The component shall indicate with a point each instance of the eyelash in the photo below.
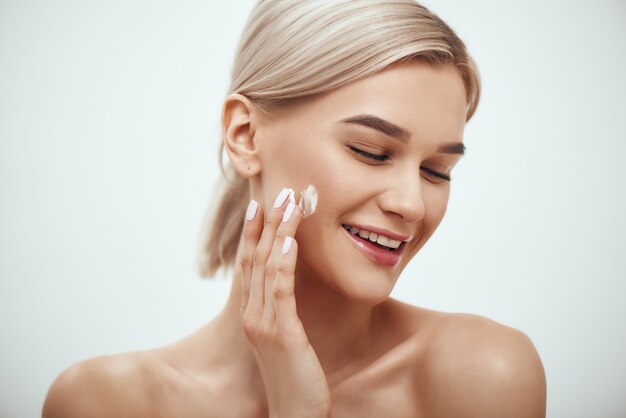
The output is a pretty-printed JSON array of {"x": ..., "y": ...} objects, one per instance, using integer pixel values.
[
  {"x": 376, "y": 157},
  {"x": 380, "y": 158}
]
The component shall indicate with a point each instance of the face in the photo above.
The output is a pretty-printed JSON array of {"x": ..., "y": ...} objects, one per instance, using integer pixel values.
[{"x": 378, "y": 151}]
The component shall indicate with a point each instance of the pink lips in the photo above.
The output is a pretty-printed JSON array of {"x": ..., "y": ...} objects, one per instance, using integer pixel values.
[{"x": 375, "y": 253}]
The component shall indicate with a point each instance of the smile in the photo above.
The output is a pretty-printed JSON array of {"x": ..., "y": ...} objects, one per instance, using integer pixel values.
[
  {"x": 377, "y": 247},
  {"x": 382, "y": 240}
]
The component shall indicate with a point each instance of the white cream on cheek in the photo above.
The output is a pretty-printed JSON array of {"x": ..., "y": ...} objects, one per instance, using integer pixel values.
[{"x": 308, "y": 200}]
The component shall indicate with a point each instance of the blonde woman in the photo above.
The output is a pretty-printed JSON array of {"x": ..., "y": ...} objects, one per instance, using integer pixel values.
[{"x": 366, "y": 100}]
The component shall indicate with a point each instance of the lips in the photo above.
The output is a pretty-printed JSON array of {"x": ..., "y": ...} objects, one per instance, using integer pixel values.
[
  {"x": 374, "y": 252},
  {"x": 381, "y": 239}
]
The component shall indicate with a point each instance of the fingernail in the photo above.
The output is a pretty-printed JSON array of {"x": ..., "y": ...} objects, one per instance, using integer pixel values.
[
  {"x": 287, "y": 245},
  {"x": 288, "y": 212},
  {"x": 251, "y": 211},
  {"x": 282, "y": 196}
]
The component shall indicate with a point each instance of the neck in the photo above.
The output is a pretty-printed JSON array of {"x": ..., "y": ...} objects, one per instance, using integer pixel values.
[{"x": 339, "y": 330}]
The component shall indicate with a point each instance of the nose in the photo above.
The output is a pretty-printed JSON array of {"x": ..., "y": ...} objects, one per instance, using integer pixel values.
[{"x": 404, "y": 197}]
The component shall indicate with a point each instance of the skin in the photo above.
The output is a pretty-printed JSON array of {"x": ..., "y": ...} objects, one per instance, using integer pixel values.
[{"x": 315, "y": 331}]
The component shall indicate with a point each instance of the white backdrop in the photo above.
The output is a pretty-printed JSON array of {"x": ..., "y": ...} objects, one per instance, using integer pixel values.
[{"x": 109, "y": 117}]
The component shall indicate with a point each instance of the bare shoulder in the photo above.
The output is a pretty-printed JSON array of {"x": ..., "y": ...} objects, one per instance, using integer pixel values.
[
  {"x": 477, "y": 367},
  {"x": 111, "y": 385}
]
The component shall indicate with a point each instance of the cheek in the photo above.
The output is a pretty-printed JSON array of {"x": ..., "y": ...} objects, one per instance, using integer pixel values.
[
  {"x": 294, "y": 160},
  {"x": 436, "y": 204}
]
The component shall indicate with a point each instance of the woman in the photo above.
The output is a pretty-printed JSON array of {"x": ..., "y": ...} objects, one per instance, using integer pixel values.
[{"x": 366, "y": 100}]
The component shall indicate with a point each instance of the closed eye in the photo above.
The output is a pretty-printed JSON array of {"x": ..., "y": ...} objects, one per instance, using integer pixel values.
[
  {"x": 383, "y": 157},
  {"x": 436, "y": 174},
  {"x": 376, "y": 157}
]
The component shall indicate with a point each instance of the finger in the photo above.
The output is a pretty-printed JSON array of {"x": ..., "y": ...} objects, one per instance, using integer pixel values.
[
  {"x": 287, "y": 229},
  {"x": 286, "y": 313},
  {"x": 252, "y": 228},
  {"x": 256, "y": 300}
]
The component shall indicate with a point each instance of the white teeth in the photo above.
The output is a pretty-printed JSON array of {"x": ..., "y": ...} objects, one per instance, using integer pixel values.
[
  {"x": 393, "y": 243},
  {"x": 374, "y": 237},
  {"x": 382, "y": 240}
]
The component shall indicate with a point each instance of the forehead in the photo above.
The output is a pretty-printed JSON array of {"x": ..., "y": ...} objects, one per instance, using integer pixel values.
[{"x": 428, "y": 102}]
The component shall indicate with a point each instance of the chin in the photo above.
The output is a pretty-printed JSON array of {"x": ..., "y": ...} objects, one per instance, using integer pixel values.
[{"x": 368, "y": 297}]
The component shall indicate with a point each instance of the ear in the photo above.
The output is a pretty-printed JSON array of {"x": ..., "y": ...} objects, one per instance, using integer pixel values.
[{"x": 239, "y": 124}]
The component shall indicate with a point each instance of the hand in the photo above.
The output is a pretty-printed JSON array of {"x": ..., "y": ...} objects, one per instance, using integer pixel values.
[{"x": 294, "y": 380}]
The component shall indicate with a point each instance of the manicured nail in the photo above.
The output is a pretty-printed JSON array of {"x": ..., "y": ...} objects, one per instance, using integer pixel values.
[
  {"x": 251, "y": 211},
  {"x": 287, "y": 244},
  {"x": 282, "y": 196},
  {"x": 288, "y": 212}
]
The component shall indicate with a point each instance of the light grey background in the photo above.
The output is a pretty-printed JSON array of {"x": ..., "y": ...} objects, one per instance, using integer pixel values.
[{"x": 109, "y": 116}]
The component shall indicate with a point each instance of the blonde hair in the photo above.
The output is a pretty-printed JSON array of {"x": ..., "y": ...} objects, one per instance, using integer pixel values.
[{"x": 297, "y": 48}]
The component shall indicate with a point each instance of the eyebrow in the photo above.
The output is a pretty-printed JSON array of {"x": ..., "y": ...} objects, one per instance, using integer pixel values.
[
  {"x": 380, "y": 125},
  {"x": 454, "y": 148},
  {"x": 396, "y": 132}
]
